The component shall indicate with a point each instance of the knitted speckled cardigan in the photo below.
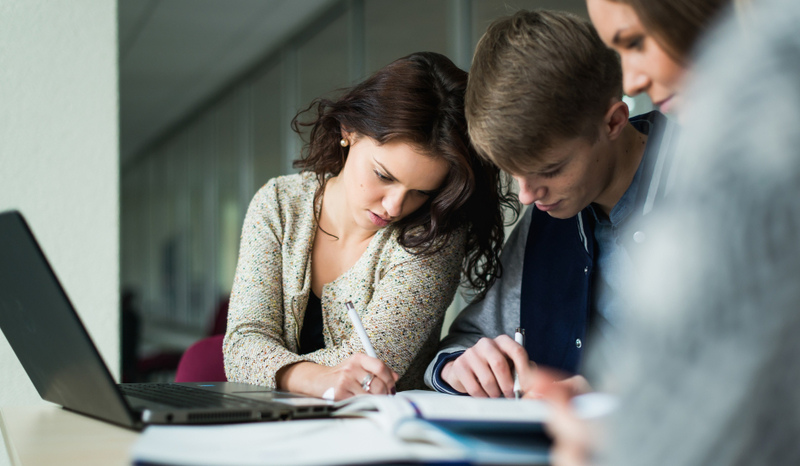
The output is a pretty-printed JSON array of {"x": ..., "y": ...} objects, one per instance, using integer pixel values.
[{"x": 401, "y": 298}]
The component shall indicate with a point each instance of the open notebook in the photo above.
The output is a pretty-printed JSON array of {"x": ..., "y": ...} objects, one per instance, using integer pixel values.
[{"x": 412, "y": 427}]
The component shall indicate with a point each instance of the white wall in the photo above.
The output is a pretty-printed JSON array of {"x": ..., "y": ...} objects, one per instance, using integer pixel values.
[{"x": 59, "y": 158}]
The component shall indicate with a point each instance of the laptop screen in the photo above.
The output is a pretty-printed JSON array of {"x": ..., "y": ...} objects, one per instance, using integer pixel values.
[{"x": 45, "y": 332}]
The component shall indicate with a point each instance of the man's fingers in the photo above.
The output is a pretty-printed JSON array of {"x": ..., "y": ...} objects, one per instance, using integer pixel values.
[
  {"x": 489, "y": 364},
  {"x": 486, "y": 373},
  {"x": 450, "y": 376},
  {"x": 465, "y": 371},
  {"x": 471, "y": 385},
  {"x": 516, "y": 354},
  {"x": 513, "y": 351},
  {"x": 502, "y": 374},
  {"x": 485, "y": 369}
]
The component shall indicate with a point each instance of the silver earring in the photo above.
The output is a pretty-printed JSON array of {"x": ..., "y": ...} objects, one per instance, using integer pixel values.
[{"x": 344, "y": 142}]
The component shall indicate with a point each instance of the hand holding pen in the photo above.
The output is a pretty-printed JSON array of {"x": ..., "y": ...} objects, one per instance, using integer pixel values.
[
  {"x": 519, "y": 337},
  {"x": 357, "y": 375},
  {"x": 360, "y": 374},
  {"x": 487, "y": 368}
]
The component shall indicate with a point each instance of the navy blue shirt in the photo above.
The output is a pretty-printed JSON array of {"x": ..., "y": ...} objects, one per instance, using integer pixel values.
[{"x": 562, "y": 292}]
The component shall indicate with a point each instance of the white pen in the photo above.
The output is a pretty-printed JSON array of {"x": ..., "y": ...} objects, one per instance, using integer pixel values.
[
  {"x": 519, "y": 337},
  {"x": 351, "y": 311}
]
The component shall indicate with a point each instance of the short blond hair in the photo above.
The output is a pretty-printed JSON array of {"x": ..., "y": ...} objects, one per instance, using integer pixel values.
[{"x": 537, "y": 78}]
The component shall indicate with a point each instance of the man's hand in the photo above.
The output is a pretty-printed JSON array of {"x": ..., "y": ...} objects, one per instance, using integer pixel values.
[{"x": 485, "y": 370}]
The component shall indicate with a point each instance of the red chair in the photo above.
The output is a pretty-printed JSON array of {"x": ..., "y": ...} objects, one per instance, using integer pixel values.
[
  {"x": 202, "y": 362},
  {"x": 167, "y": 362}
]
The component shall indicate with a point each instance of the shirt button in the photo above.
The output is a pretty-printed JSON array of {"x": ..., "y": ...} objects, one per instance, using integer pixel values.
[
  {"x": 586, "y": 269},
  {"x": 639, "y": 237},
  {"x": 578, "y": 343}
]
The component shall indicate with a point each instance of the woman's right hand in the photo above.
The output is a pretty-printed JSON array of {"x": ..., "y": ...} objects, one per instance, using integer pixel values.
[{"x": 346, "y": 378}]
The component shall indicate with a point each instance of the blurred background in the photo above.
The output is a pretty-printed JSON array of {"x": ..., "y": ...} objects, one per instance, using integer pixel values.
[{"x": 207, "y": 91}]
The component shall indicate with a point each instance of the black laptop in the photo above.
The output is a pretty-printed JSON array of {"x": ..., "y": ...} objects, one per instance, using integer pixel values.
[{"x": 64, "y": 365}]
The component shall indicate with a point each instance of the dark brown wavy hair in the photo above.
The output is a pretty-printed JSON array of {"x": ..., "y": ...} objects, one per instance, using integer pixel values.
[{"x": 419, "y": 100}]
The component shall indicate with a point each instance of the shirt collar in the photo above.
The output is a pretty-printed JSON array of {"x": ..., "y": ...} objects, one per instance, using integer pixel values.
[{"x": 623, "y": 208}]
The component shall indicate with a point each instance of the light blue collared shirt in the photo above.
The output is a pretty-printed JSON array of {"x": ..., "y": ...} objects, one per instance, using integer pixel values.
[{"x": 613, "y": 262}]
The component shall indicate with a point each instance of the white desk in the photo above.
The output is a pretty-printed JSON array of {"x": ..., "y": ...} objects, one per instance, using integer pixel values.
[{"x": 45, "y": 435}]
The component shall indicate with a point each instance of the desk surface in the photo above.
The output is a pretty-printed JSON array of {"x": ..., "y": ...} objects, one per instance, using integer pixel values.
[{"x": 45, "y": 434}]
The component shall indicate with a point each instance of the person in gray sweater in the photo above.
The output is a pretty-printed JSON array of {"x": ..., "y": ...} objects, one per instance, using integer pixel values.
[
  {"x": 593, "y": 174},
  {"x": 709, "y": 369}
]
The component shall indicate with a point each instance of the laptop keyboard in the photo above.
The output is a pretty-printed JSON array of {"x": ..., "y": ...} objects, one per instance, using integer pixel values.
[{"x": 181, "y": 396}]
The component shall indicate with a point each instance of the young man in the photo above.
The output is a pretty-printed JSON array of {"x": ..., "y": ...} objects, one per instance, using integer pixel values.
[{"x": 544, "y": 104}]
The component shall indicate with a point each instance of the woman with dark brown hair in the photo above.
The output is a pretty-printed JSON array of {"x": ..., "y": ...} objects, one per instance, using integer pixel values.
[{"x": 391, "y": 206}]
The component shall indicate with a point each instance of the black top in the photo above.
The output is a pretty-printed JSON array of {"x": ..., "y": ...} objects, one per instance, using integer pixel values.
[{"x": 311, "y": 338}]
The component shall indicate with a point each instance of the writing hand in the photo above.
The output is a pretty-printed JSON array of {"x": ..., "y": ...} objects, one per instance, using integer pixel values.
[
  {"x": 346, "y": 378},
  {"x": 485, "y": 369}
]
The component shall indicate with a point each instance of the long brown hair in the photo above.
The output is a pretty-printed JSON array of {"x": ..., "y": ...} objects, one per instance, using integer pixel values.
[
  {"x": 677, "y": 24},
  {"x": 419, "y": 100}
]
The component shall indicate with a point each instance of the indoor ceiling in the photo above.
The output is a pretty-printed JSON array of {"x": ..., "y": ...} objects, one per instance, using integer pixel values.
[{"x": 175, "y": 54}]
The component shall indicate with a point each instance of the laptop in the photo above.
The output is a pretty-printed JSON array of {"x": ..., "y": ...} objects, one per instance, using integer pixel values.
[{"x": 63, "y": 363}]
